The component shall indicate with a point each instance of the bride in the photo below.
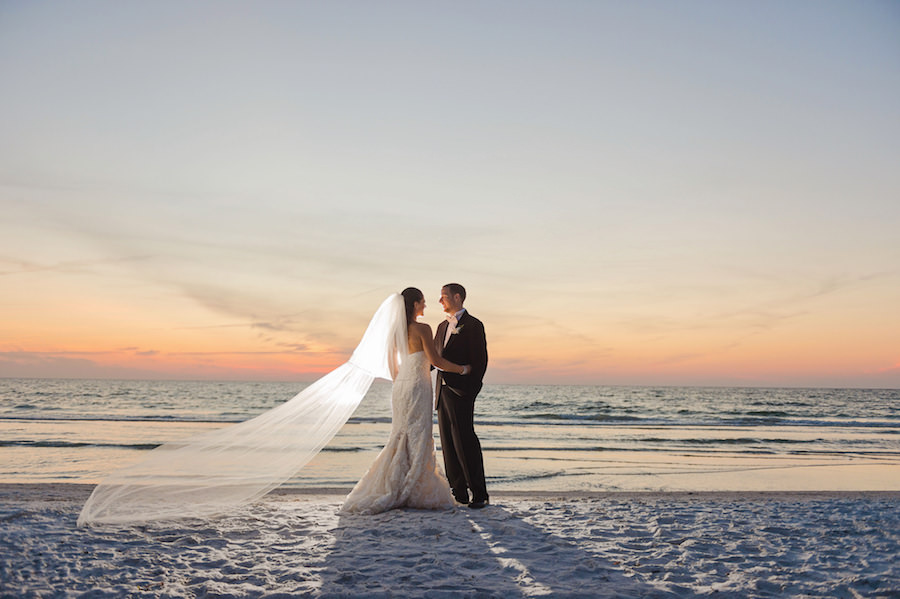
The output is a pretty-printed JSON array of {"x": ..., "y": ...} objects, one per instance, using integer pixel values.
[
  {"x": 214, "y": 472},
  {"x": 405, "y": 473}
]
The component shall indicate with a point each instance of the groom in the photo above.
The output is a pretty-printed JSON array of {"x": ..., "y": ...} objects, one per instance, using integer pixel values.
[{"x": 460, "y": 339}]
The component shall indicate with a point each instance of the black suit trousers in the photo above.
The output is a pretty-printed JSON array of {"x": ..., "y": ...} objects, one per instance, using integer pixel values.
[{"x": 463, "y": 461}]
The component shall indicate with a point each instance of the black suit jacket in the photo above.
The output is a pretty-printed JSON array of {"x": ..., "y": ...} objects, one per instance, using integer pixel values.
[{"x": 468, "y": 346}]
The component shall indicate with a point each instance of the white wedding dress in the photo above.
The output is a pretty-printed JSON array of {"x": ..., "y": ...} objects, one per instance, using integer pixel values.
[
  {"x": 405, "y": 473},
  {"x": 212, "y": 473}
]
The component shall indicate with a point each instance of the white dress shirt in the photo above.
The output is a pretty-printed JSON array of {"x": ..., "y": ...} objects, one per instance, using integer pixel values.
[{"x": 451, "y": 325}]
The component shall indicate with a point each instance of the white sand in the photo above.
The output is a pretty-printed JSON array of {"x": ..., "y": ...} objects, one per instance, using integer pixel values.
[{"x": 569, "y": 545}]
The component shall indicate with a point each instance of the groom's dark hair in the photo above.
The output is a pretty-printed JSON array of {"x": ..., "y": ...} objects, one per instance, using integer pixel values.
[{"x": 456, "y": 288}]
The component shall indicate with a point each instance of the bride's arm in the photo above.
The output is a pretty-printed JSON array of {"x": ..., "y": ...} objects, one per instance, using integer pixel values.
[{"x": 424, "y": 332}]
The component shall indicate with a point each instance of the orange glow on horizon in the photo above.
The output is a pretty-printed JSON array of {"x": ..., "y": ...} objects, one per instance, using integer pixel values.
[
  {"x": 163, "y": 336},
  {"x": 208, "y": 361}
]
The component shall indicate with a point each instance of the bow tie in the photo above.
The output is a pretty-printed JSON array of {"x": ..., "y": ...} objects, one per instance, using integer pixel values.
[{"x": 451, "y": 326}]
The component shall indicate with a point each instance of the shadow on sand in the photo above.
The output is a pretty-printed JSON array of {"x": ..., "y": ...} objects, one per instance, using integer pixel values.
[{"x": 465, "y": 553}]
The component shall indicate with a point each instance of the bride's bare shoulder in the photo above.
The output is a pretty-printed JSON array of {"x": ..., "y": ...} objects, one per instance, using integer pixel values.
[{"x": 422, "y": 328}]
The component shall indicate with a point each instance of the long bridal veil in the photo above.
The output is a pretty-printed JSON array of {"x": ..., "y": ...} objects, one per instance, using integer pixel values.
[{"x": 212, "y": 472}]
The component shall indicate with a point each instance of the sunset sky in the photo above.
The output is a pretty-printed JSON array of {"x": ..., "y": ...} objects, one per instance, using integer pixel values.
[{"x": 647, "y": 193}]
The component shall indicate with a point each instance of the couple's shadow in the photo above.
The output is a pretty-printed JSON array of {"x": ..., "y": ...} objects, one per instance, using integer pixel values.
[{"x": 493, "y": 552}]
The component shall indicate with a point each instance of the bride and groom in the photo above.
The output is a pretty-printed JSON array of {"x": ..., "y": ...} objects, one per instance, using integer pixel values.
[
  {"x": 214, "y": 472},
  {"x": 405, "y": 473}
]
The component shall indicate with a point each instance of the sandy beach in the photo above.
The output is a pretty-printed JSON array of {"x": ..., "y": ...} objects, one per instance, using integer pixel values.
[{"x": 295, "y": 543}]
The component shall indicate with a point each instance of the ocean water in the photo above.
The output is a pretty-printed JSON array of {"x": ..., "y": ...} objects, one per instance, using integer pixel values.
[{"x": 548, "y": 438}]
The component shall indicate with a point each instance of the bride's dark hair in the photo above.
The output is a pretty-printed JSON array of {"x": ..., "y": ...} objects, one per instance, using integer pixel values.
[{"x": 411, "y": 295}]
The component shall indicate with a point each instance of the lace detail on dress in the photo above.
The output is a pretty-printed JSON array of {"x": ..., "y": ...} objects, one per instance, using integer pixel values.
[{"x": 405, "y": 473}]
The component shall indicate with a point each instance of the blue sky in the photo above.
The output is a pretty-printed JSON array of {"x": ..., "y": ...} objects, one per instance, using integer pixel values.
[{"x": 696, "y": 192}]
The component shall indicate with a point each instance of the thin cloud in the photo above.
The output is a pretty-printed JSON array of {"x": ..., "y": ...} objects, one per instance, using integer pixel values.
[
  {"x": 68, "y": 267},
  {"x": 693, "y": 356},
  {"x": 38, "y": 355},
  {"x": 239, "y": 353},
  {"x": 889, "y": 369}
]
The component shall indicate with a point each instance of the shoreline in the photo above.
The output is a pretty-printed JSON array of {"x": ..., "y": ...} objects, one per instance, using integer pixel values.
[{"x": 75, "y": 491}]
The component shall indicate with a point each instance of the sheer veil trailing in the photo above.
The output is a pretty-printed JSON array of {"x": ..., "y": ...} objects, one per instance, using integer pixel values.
[{"x": 212, "y": 472}]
